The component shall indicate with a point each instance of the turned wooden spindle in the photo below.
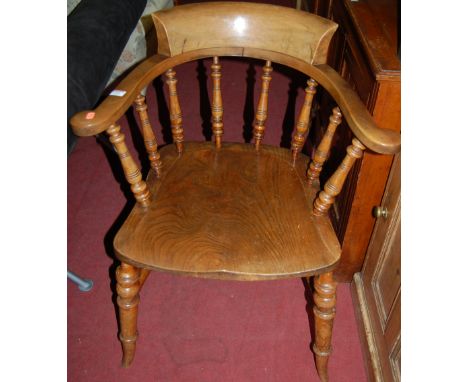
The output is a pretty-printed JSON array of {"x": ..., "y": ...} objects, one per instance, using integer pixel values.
[
  {"x": 334, "y": 185},
  {"x": 148, "y": 135},
  {"x": 323, "y": 150},
  {"x": 217, "y": 104},
  {"x": 302, "y": 127},
  {"x": 262, "y": 107},
  {"x": 324, "y": 313},
  {"x": 175, "y": 112},
  {"x": 128, "y": 287},
  {"x": 131, "y": 171}
]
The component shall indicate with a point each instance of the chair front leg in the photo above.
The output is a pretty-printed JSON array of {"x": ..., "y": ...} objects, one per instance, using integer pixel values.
[
  {"x": 324, "y": 313},
  {"x": 128, "y": 287}
]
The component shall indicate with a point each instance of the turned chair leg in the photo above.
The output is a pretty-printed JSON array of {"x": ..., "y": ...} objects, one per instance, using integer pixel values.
[
  {"x": 128, "y": 287},
  {"x": 324, "y": 313}
]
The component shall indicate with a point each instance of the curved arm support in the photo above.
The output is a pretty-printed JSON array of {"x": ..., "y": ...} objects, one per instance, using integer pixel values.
[
  {"x": 92, "y": 122},
  {"x": 383, "y": 141}
]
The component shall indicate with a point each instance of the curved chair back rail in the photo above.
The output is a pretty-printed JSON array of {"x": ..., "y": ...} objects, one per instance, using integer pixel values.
[
  {"x": 293, "y": 38},
  {"x": 383, "y": 141},
  {"x": 298, "y": 34}
]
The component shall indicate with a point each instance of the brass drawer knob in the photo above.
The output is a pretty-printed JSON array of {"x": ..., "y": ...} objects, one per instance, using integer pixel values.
[{"x": 380, "y": 212}]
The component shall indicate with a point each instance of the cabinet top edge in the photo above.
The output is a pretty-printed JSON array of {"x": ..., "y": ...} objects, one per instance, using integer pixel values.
[{"x": 378, "y": 46}]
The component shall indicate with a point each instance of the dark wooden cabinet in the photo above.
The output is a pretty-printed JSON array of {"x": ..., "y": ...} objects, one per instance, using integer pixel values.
[
  {"x": 377, "y": 290},
  {"x": 364, "y": 51}
]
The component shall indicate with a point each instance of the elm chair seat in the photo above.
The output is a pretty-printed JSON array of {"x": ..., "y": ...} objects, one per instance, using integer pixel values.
[{"x": 230, "y": 213}]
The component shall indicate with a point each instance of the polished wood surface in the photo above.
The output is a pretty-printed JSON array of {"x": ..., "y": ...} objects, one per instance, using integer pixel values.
[
  {"x": 358, "y": 118},
  {"x": 175, "y": 111},
  {"x": 217, "y": 104},
  {"x": 302, "y": 127},
  {"x": 246, "y": 25},
  {"x": 230, "y": 210},
  {"x": 128, "y": 297},
  {"x": 377, "y": 289},
  {"x": 376, "y": 24},
  {"x": 220, "y": 214},
  {"x": 382, "y": 141},
  {"x": 334, "y": 185},
  {"x": 131, "y": 171},
  {"x": 148, "y": 135},
  {"x": 262, "y": 107},
  {"x": 324, "y": 312},
  {"x": 322, "y": 152}
]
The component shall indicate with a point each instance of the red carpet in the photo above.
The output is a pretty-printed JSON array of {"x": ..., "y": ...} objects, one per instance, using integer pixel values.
[{"x": 192, "y": 329}]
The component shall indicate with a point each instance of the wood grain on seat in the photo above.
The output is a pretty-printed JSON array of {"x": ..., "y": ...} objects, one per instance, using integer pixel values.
[{"x": 234, "y": 213}]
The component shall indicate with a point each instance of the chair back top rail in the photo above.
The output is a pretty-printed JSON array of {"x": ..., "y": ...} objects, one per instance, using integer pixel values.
[
  {"x": 92, "y": 122},
  {"x": 190, "y": 27},
  {"x": 276, "y": 34}
]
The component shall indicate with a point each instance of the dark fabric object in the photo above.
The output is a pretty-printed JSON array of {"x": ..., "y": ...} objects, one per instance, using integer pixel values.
[{"x": 97, "y": 31}]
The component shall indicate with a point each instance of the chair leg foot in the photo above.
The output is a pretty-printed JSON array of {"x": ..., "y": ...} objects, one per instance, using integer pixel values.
[
  {"x": 128, "y": 348},
  {"x": 128, "y": 287},
  {"x": 324, "y": 313}
]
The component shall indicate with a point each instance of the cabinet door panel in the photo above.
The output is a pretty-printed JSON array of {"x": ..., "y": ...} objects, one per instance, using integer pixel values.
[
  {"x": 387, "y": 277},
  {"x": 377, "y": 289}
]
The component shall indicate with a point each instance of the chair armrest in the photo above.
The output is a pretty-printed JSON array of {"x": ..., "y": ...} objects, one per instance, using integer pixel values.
[
  {"x": 383, "y": 141},
  {"x": 92, "y": 122}
]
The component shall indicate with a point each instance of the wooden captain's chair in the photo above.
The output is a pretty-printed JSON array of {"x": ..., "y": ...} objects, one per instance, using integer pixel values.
[{"x": 238, "y": 211}]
